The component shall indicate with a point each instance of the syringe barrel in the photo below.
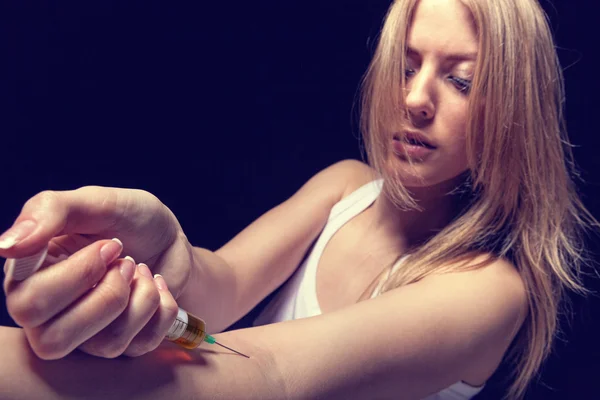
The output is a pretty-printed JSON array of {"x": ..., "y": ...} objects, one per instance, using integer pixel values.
[{"x": 187, "y": 330}]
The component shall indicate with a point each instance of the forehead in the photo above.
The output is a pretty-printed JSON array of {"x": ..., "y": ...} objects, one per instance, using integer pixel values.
[{"x": 442, "y": 26}]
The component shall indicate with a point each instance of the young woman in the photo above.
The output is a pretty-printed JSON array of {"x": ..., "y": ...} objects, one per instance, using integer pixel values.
[{"x": 412, "y": 277}]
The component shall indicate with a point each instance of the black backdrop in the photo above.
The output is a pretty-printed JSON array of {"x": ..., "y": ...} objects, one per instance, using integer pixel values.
[{"x": 223, "y": 109}]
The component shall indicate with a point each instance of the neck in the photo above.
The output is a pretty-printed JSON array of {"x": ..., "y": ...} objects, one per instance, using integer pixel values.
[{"x": 414, "y": 227}]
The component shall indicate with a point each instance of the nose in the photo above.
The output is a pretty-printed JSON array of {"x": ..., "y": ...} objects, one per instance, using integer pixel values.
[{"x": 419, "y": 97}]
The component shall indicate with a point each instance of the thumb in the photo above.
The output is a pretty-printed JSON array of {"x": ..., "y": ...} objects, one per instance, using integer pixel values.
[
  {"x": 88, "y": 210},
  {"x": 19, "y": 231}
]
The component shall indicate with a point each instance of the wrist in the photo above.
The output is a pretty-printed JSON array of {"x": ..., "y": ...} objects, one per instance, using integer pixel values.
[{"x": 210, "y": 291}]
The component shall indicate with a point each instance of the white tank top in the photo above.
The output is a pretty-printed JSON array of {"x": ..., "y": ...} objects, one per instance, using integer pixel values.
[{"x": 298, "y": 297}]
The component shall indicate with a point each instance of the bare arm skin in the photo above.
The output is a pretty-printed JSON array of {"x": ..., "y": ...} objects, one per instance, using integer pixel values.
[
  {"x": 108, "y": 307},
  {"x": 236, "y": 277},
  {"x": 408, "y": 343},
  {"x": 167, "y": 372}
]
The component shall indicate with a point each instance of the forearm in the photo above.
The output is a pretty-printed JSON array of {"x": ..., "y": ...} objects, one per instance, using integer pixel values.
[
  {"x": 167, "y": 372},
  {"x": 211, "y": 292},
  {"x": 229, "y": 282}
]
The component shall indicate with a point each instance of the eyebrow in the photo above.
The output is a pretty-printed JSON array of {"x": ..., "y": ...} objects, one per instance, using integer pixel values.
[{"x": 448, "y": 56}]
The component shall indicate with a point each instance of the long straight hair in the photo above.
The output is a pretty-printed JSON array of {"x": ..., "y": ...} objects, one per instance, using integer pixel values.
[{"x": 519, "y": 198}]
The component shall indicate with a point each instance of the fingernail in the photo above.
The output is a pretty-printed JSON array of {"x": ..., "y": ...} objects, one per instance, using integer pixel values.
[
  {"x": 144, "y": 270},
  {"x": 127, "y": 269},
  {"x": 111, "y": 250},
  {"x": 17, "y": 233},
  {"x": 130, "y": 259},
  {"x": 160, "y": 282}
]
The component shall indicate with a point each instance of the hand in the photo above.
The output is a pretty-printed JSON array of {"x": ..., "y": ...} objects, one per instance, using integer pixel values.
[{"x": 84, "y": 298}]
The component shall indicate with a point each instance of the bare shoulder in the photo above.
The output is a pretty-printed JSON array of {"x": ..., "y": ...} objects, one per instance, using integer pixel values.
[
  {"x": 501, "y": 272},
  {"x": 498, "y": 268},
  {"x": 499, "y": 281},
  {"x": 359, "y": 171},
  {"x": 339, "y": 179},
  {"x": 334, "y": 182},
  {"x": 357, "y": 174},
  {"x": 500, "y": 307}
]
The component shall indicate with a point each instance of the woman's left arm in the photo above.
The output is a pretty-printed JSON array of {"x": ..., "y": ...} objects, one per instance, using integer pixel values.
[{"x": 408, "y": 343}]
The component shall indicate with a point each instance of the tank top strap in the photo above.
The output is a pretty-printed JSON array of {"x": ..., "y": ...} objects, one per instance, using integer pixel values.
[
  {"x": 365, "y": 195},
  {"x": 342, "y": 212}
]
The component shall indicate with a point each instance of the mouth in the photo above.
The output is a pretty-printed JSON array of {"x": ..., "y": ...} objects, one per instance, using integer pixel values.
[{"x": 414, "y": 139}]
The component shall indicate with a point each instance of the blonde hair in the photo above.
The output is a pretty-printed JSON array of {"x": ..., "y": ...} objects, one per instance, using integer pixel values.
[{"x": 520, "y": 202}]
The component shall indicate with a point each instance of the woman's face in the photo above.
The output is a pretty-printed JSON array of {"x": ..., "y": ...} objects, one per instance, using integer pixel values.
[{"x": 440, "y": 60}]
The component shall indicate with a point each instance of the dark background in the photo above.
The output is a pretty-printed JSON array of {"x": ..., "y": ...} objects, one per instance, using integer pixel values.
[{"x": 223, "y": 109}]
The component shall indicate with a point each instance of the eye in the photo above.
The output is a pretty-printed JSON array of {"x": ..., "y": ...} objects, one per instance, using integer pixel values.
[
  {"x": 463, "y": 85},
  {"x": 408, "y": 72}
]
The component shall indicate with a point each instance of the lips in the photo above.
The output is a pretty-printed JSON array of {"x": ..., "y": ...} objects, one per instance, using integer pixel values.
[{"x": 415, "y": 139}]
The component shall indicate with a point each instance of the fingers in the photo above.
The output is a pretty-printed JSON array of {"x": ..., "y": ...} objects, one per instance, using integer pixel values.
[
  {"x": 150, "y": 337},
  {"x": 87, "y": 316},
  {"x": 68, "y": 244},
  {"x": 50, "y": 290},
  {"x": 92, "y": 300},
  {"x": 143, "y": 302},
  {"x": 142, "y": 325}
]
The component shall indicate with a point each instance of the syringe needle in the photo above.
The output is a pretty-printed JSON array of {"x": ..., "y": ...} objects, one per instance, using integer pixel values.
[
  {"x": 211, "y": 340},
  {"x": 228, "y": 348}
]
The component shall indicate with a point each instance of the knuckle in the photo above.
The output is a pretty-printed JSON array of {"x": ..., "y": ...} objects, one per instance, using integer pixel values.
[
  {"x": 134, "y": 352},
  {"x": 27, "y": 308},
  {"x": 102, "y": 349},
  {"x": 170, "y": 309},
  {"x": 148, "y": 294},
  {"x": 148, "y": 197},
  {"x": 91, "y": 273},
  {"x": 47, "y": 199},
  {"x": 139, "y": 348},
  {"x": 153, "y": 298},
  {"x": 113, "y": 349},
  {"x": 153, "y": 335},
  {"x": 155, "y": 339},
  {"x": 49, "y": 344},
  {"x": 115, "y": 343},
  {"x": 114, "y": 297},
  {"x": 111, "y": 342},
  {"x": 148, "y": 340}
]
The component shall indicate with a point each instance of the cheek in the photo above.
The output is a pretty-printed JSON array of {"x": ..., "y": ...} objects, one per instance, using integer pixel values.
[
  {"x": 459, "y": 120},
  {"x": 456, "y": 133},
  {"x": 456, "y": 123}
]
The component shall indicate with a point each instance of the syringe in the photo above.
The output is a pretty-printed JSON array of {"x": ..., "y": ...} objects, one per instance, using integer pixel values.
[{"x": 189, "y": 332}]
